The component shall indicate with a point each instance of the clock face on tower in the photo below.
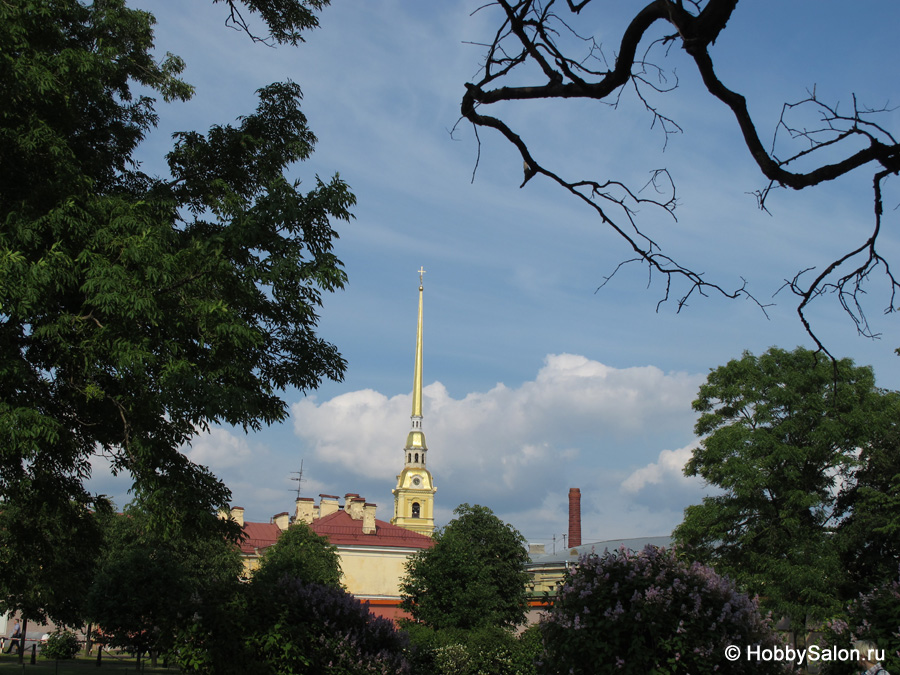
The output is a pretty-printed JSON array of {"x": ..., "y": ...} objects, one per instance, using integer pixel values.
[{"x": 416, "y": 481}]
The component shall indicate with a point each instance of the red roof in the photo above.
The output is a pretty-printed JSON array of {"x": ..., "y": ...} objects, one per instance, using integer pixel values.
[
  {"x": 388, "y": 611},
  {"x": 258, "y": 536},
  {"x": 342, "y": 530}
]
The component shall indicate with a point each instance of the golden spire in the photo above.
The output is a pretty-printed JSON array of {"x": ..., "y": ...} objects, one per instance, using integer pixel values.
[{"x": 416, "y": 438}]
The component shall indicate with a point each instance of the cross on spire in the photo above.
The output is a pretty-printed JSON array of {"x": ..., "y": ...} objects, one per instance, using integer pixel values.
[{"x": 421, "y": 272}]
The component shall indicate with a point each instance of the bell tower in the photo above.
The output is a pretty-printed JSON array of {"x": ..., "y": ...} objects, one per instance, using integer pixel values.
[{"x": 414, "y": 494}]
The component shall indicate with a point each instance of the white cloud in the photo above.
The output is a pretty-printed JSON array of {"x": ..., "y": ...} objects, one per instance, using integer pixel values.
[
  {"x": 662, "y": 490},
  {"x": 579, "y": 423},
  {"x": 576, "y": 423},
  {"x": 668, "y": 468},
  {"x": 219, "y": 449},
  {"x": 361, "y": 430}
]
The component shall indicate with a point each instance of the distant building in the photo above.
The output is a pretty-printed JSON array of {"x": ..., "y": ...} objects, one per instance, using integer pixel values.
[
  {"x": 548, "y": 570},
  {"x": 372, "y": 552}
]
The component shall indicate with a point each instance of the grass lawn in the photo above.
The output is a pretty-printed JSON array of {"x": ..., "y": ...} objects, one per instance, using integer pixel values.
[{"x": 9, "y": 663}]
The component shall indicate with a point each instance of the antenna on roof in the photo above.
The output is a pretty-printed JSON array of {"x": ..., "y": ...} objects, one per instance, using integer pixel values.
[{"x": 298, "y": 479}]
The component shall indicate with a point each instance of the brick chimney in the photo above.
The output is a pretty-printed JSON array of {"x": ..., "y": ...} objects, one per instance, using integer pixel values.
[
  {"x": 574, "y": 517},
  {"x": 368, "y": 526}
]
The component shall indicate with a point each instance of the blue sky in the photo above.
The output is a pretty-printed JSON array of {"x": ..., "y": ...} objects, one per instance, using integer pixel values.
[{"x": 535, "y": 380}]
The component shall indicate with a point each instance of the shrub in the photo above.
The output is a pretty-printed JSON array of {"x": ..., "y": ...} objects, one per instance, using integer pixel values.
[
  {"x": 651, "y": 612},
  {"x": 341, "y": 635},
  {"x": 874, "y": 617},
  {"x": 292, "y": 627},
  {"x": 481, "y": 651},
  {"x": 61, "y": 645}
]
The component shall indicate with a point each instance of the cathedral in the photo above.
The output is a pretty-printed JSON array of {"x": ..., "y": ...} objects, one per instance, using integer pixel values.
[
  {"x": 414, "y": 494},
  {"x": 373, "y": 553}
]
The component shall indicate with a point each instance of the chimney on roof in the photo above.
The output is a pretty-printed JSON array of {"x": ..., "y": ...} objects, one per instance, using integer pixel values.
[
  {"x": 574, "y": 517},
  {"x": 354, "y": 506},
  {"x": 368, "y": 526},
  {"x": 328, "y": 505},
  {"x": 237, "y": 512},
  {"x": 306, "y": 508},
  {"x": 282, "y": 520}
]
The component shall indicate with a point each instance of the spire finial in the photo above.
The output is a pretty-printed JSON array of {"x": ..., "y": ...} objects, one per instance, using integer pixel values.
[{"x": 416, "y": 438}]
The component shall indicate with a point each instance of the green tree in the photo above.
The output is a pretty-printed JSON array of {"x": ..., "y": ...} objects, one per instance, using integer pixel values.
[
  {"x": 136, "y": 310},
  {"x": 286, "y": 20},
  {"x": 474, "y": 575},
  {"x": 869, "y": 534},
  {"x": 781, "y": 437},
  {"x": 58, "y": 586},
  {"x": 301, "y": 554},
  {"x": 149, "y": 583}
]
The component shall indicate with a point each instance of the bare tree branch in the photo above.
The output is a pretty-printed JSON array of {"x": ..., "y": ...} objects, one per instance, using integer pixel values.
[{"x": 837, "y": 144}]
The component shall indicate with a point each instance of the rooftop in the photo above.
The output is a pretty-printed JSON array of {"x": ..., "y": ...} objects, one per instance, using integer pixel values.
[
  {"x": 572, "y": 555},
  {"x": 343, "y": 530}
]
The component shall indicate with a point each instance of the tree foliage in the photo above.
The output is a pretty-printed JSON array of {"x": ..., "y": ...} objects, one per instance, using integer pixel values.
[
  {"x": 66, "y": 545},
  {"x": 473, "y": 576},
  {"x": 285, "y": 20},
  {"x": 301, "y": 554},
  {"x": 148, "y": 583},
  {"x": 651, "y": 612},
  {"x": 292, "y": 627},
  {"x": 546, "y": 49},
  {"x": 869, "y": 533},
  {"x": 136, "y": 310},
  {"x": 781, "y": 437}
]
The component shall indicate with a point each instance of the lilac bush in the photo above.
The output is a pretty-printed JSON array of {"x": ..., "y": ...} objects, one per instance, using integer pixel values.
[
  {"x": 650, "y": 612},
  {"x": 359, "y": 641},
  {"x": 874, "y": 617},
  {"x": 330, "y": 631},
  {"x": 291, "y": 627}
]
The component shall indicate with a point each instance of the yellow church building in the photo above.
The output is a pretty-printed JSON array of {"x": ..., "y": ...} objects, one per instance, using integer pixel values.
[
  {"x": 414, "y": 494},
  {"x": 372, "y": 552}
]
